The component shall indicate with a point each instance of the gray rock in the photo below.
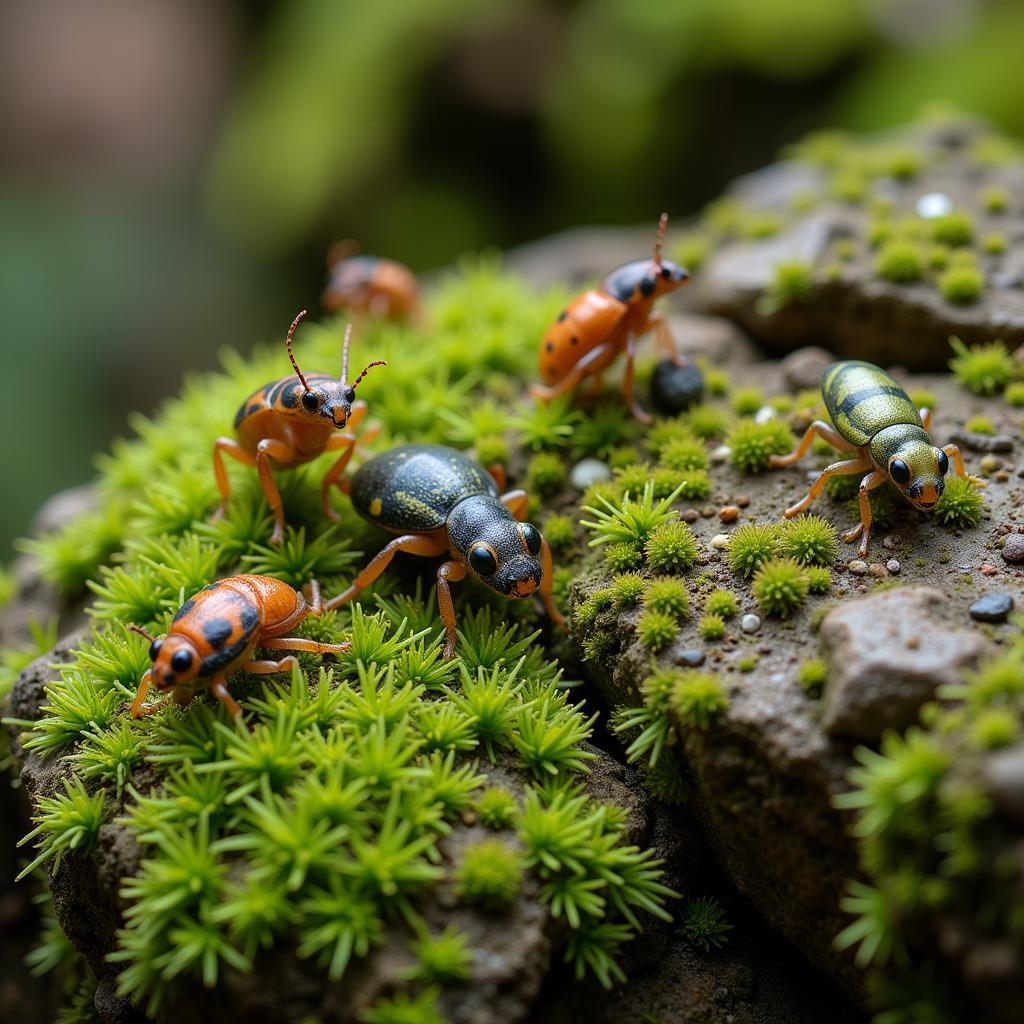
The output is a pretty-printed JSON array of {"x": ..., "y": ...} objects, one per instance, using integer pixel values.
[
  {"x": 690, "y": 657},
  {"x": 587, "y": 472},
  {"x": 888, "y": 653},
  {"x": 750, "y": 623},
  {"x": 803, "y": 368},
  {"x": 991, "y": 608},
  {"x": 1013, "y": 549},
  {"x": 982, "y": 442}
]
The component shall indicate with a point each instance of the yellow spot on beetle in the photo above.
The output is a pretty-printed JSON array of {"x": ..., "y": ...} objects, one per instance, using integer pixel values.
[{"x": 375, "y": 506}]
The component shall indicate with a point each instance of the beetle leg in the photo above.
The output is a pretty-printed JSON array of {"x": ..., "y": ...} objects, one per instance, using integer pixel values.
[
  {"x": 266, "y": 668},
  {"x": 926, "y": 417},
  {"x": 546, "y": 583},
  {"x": 311, "y": 592},
  {"x": 300, "y": 643},
  {"x": 412, "y": 543},
  {"x": 236, "y": 451},
  {"x": 606, "y": 351},
  {"x": 953, "y": 452},
  {"x": 266, "y": 450},
  {"x": 517, "y": 502},
  {"x": 627, "y": 385},
  {"x": 144, "y": 685},
  {"x": 863, "y": 530},
  {"x": 856, "y": 465},
  {"x": 817, "y": 429},
  {"x": 500, "y": 476},
  {"x": 331, "y": 477},
  {"x": 219, "y": 689},
  {"x": 453, "y": 571}
]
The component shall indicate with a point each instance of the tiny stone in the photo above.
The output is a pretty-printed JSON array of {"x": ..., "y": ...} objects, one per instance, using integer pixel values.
[
  {"x": 989, "y": 464},
  {"x": 1013, "y": 549},
  {"x": 1002, "y": 476},
  {"x": 893, "y": 566},
  {"x": 857, "y": 567},
  {"x": 690, "y": 657},
  {"x": 991, "y": 608},
  {"x": 877, "y": 569},
  {"x": 934, "y": 204},
  {"x": 983, "y": 442},
  {"x": 720, "y": 541},
  {"x": 721, "y": 453},
  {"x": 675, "y": 388},
  {"x": 750, "y": 623},
  {"x": 468, "y": 819},
  {"x": 707, "y": 511},
  {"x": 742, "y": 500},
  {"x": 587, "y": 472},
  {"x": 888, "y": 542},
  {"x": 764, "y": 414},
  {"x": 690, "y": 515},
  {"x": 729, "y": 513},
  {"x": 989, "y": 569},
  {"x": 777, "y": 677},
  {"x": 802, "y": 369}
]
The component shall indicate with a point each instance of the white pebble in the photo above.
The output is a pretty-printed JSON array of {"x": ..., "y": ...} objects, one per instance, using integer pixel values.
[
  {"x": 721, "y": 453},
  {"x": 858, "y": 568},
  {"x": 750, "y": 623},
  {"x": 764, "y": 414},
  {"x": 893, "y": 566},
  {"x": 720, "y": 541},
  {"x": 934, "y": 204},
  {"x": 587, "y": 472}
]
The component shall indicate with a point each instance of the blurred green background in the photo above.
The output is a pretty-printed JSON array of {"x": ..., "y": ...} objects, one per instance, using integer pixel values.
[{"x": 171, "y": 172}]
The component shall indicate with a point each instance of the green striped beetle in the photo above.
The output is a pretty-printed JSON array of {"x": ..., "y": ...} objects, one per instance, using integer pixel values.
[{"x": 874, "y": 417}]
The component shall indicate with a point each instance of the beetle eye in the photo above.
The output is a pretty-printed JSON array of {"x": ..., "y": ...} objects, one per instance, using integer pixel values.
[
  {"x": 482, "y": 560},
  {"x": 154, "y": 649},
  {"x": 666, "y": 273},
  {"x": 899, "y": 471},
  {"x": 943, "y": 462},
  {"x": 181, "y": 661},
  {"x": 350, "y": 394},
  {"x": 310, "y": 400},
  {"x": 531, "y": 538}
]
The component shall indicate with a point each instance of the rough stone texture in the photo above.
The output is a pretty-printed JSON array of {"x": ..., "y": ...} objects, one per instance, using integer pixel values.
[
  {"x": 888, "y": 653},
  {"x": 859, "y": 315},
  {"x": 803, "y": 368}
]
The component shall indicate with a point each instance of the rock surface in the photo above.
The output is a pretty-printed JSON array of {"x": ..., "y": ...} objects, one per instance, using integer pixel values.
[{"x": 887, "y": 654}]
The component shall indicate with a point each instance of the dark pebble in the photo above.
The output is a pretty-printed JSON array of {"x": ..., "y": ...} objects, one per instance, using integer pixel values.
[
  {"x": 675, "y": 388},
  {"x": 691, "y": 658},
  {"x": 983, "y": 442},
  {"x": 690, "y": 515},
  {"x": 1013, "y": 548},
  {"x": 991, "y": 608}
]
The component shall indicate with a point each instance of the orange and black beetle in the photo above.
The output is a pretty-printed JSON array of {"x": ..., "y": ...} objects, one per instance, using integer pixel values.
[
  {"x": 217, "y": 631},
  {"x": 291, "y": 421},
  {"x": 369, "y": 285},
  {"x": 598, "y": 325}
]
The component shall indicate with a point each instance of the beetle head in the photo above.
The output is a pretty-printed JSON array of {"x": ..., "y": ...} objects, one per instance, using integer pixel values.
[
  {"x": 325, "y": 398},
  {"x": 917, "y": 469},
  {"x": 499, "y": 550},
  {"x": 175, "y": 661},
  {"x": 647, "y": 279}
]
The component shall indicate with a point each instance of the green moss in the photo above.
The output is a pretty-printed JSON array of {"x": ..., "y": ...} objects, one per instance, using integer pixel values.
[
  {"x": 748, "y": 663},
  {"x": 752, "y": 444},
  {"x": 706, "y": 421},
  {"x": 444, "y": 956},
  {"x": 711, "y": 627},
  {"x": 716, "y": 382},
  {"x": 496, "y": 807},
  {"x": 656, "y": 630},
  {"x": 994, "y": 199},
  {"x": 623, "y": 556},
  {"x": 937, "y": 257},
  {"x": 994, "y": 243},
  {"x": 692, "y": 250},
  {"x": 994, "y": 728},
  {"x": 667, "y": 594},
  {"x": 983, "y": 369},
  {"x": 546, "y": 473},
  {"x": 792, "y": 282},
  {"x": 722, "y": 603},
  {"x": 780, "y": 586},
  {"x": 819, "y": 579},
  {"x": 900, "y": 261},
  {"x": 845, "y": 249},
  {"x": 630, "y": 521},
  {"x": 960, "y": 503},
  {"x": 697, "y": 699},
  {"x": 671, "y": 548},
  {"x": 751, "y": 545},
  {"x": 808, "y": 539},
  {"x": 980, "y": 425},
  {"x": 746, "y": 401},
  {"x": 559, "y": 531},
  {"x": 703, "y": 924},
  {"x": 1014, "y": 394},
  {"x": 491, "y": 450},
  {"x": 812, "y": 676},
  {"x": 924, "y": 399},
  {"x": 405, "y": 1009},
  {"x": 961, "y": 286},
  {"x": 955, "y": 229},
  {"x": 683, "y": 453},
  {"x": 489, "y": 875}
]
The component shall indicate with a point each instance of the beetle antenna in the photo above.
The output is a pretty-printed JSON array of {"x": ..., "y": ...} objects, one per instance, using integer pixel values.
[
  {"x": 659, "y": 241},
  {"x": 344, "y": 353},
  {"x": 142, "y": 631},
  {"x": 366, "y": 370},
  {"x": 291, "y": 354}
]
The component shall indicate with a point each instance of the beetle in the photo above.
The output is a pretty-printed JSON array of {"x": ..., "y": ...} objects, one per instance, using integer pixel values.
[
  {"x": 591, "y": 332},
  {"x": 291, "y": 421},
  {"x": 874, "y": 417},
  {"x": 441, "y": 502},
  {"x": 369, "y": 285},
  {"x": 217, "y": 631}
]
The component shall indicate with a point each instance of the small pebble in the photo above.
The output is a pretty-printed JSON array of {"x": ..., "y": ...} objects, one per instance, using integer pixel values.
[
  {"x": 587, "y": 472},
  {"x": 991, "y": 608},
  {"x": 777, "y": 678},
  {"x": 893, "y": 566},
  {"x": 764, "y": 414},
  {"x": 857, "y": 567},
  {"x": 934, "y": 204},
  {"x": 742, "y": 500},
  {"x": 720, "y": 541},
  {"x": 989, "y": 569},
  {"x": 1013, "y": 549},
  {"x": 729, "y": 513},
  {"x": 750, "y": 623},
  {"x": 690, "y": 657},
  {"x": 721, "y": 453},
  {"x": 1002, "y": 476},
  {"x": 989, "y": 464},
  {"x": 468, "y": 819},
  {"x": 888, "y": 543},
  {"x": 690, "y": 515},
  {"x": 707, "y": 511},
  {"x": 877, "y": 569},
  {"x": 675, "y": 388}
]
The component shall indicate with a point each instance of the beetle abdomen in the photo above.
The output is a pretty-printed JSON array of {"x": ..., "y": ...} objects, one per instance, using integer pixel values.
[
  {"x": 415, "y": 486},
  {"x": 221, "y": 622},
  {"x": 586, "y": 322},
  {"x": 863, "y": 399}
]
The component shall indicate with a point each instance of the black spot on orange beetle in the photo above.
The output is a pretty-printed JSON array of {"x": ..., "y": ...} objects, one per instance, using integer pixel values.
[
  {"x": 550, "y": 346},
  {"x": 563, "y": 315},
  {"x": 647, "y": 286},
  {"x": 184, "y": 609},
  {"x": 216, "y": 631},
  {"x": 574, "y": 340},
  {"x": 250, "y": 618}
]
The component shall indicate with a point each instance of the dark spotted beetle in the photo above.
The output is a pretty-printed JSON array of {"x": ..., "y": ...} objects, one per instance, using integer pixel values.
[
  {"x": 291, "y": 421},
  {"x": 874, "y": 417},
  {"x": 369, "y": 285},
  {"x": 216, "y": 633},
  {"x": 600, "y": 324},
  {"x": 442, "y": 503}
]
